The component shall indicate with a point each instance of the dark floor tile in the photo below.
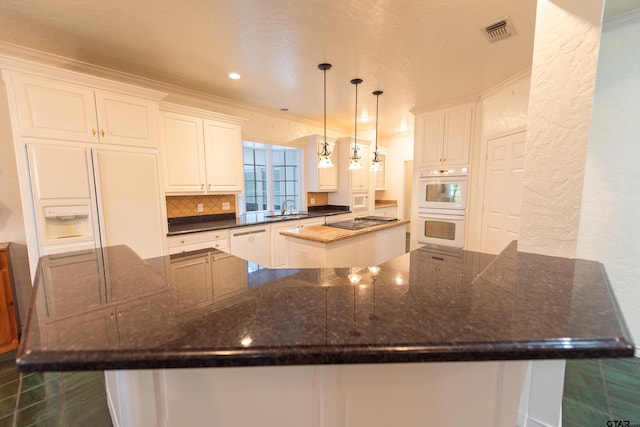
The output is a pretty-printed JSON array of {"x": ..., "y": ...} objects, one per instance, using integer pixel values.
[
  {"x": 624, "y": 410},
  {"x": 574, "y": 412},
  {"x": 588, "y": 366},
  {"x": 9, "y": 389},
  {"x": 71, "y": 380},
  {"x": 627, "y": 364},
  {"x": 56, "y": 420},
  {"x": 83, "y": 392},
  {"x": 621, "y": 392},
  {"x": 37, "y": 379},
  {"x": 9, "y": 355},
  {"x": 50, "y": 389},
  {"x": 7, "y": 421},
  {"x": 8, "y": 406},
  {"x": 621, "y": 377},
  {"x": 94, "y": 412},
  {"x": 584, "y": 380},
  {"x": 567, "y": 423},
  {"x": 8, "y": 372},
  {"x": 586, "y": 397},
  {"x": 44, "y": 410}
]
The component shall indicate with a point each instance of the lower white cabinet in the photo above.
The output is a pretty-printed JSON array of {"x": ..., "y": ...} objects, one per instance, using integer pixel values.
[
  {"x": 252, "y": 244},
  {"x": 217, "y": 239},
  {"x": 386, "y": 211},
  {"x": 205, "y": 278},
  {"x": 278, "y": 241}
]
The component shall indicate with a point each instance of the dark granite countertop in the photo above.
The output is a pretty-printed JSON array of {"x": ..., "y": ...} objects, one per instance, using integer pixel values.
[
  {"x": 196, "y": 224},
  {"x": 108, "y": 309}
]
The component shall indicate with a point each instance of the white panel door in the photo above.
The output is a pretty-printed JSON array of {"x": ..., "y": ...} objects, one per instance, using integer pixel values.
[
  {"x": 126, "y": 120},
  {"x": 223, "y": 153},
  {"x": 129, "y": 200},
  {"x": 503, "y": 192},
  {"x": 54, "y": 110},
  {"x": 59, "y": 172},
  {"x": 183, "y": 153}
]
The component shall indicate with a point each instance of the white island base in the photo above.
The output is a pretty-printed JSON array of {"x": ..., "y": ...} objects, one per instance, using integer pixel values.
[{"x": 478, "y": 394}]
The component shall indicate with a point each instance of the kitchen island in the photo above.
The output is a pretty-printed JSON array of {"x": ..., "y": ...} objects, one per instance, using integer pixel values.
[
  {"x": 409, "y": 342},
  {"x": 324, "y": 246}
]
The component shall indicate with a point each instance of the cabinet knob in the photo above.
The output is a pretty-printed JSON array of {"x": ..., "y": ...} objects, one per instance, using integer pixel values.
[
  {"x": 111, "y": 315},
  {"x": 101, "y": 132},
  {"x": 202, "y": 186},
  {"x": 209, "y": 186},
  {"x": 93, "y": 132}
]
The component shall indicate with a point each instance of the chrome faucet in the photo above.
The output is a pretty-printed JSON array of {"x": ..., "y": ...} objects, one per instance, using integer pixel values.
[{"x": 283, "y": 208}]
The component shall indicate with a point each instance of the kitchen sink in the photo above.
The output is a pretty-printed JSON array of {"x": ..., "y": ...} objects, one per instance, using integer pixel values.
[{"x": 292, "y": 215}]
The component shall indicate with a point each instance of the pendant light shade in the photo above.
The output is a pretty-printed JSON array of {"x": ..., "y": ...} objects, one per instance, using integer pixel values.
[
  {"x": 324, "y": 154},
  {"x": 354, "y": 162},
  {"x": 375, "y": 161}
]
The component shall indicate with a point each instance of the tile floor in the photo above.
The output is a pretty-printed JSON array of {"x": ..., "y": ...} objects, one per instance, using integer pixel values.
[
  {"x": 595, "y": 391},
  {"x": 600, "y": 390},
  {"x": 61, "y": 399}
]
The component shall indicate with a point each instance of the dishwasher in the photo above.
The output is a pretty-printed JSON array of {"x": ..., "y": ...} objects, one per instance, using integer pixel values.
[{"x": 252, "y": 244}]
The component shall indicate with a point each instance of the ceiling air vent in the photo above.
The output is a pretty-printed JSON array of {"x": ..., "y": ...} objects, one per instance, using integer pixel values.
[{"x": 499, "y": 30}]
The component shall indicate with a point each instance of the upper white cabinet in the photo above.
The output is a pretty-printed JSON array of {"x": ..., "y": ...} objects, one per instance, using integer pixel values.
[
  {"x": 443, "y": 137},
  {"x": 381, "y": 176},
  {"x": 53, "y": 109},
  {"x": 319, "y": 179},
  {"x": 200, "y": 154}
]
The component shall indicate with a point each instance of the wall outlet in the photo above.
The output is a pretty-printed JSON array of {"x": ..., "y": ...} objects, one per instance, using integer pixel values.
[
  {"x": 313, "y": 201},
  {"x": 226, "y": 206},
  {"x": 200, "y": 207}
]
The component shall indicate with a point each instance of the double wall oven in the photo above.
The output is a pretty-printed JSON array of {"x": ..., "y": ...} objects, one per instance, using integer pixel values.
[{"x": 442, "y": 206}]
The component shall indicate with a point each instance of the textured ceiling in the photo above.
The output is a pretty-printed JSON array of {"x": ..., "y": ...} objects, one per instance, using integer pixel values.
[{"x": 421, "y": 53}]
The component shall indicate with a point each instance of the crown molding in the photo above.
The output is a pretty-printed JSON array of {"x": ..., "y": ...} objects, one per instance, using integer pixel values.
[
  {"x": 506, "y": 83},
  {"x": 621, "y": 21},
  {"x": 448, "y": 104},
  {"x": 15, "y": 57}
]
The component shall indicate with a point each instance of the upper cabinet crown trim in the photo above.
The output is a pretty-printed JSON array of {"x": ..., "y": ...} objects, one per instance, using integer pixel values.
[
  {"x": 203, "y": 114},
  {"x": 10, "y": 64}
]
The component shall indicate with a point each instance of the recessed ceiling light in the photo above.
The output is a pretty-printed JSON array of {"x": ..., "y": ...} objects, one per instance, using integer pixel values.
[{"x": 234, "y": 76}]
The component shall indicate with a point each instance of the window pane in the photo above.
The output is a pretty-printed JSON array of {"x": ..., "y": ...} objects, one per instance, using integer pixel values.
[
  {"x": 278, "y": 188},
  {"x": 278, "y": 173},
  {"x": 291, "y": 173},
  {"x": 260, "y": 158},
  {"x": 291, "y": 188},
  {"x": 292, "y": 156},
  {"x": 278, "y": 157}
]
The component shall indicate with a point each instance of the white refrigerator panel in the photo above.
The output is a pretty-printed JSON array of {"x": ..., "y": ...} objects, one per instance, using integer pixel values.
[
  {"x": 59, "y": 172},
  {"x": 130, "y": 201}
]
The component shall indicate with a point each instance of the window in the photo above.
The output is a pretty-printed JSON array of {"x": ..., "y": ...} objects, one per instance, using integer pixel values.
[{"x": 271, "y": 176}]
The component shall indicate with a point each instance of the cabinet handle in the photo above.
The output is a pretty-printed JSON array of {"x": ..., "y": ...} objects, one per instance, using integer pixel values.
[
  {"x": 438, "y": 258},
  {"x": 209, "y": 186},
  {"x": 101, "y": 132},
  {"x": 111, "y": 315},
  {"x": 202, "y": 186},
  {"x": 93, "y": 132}
]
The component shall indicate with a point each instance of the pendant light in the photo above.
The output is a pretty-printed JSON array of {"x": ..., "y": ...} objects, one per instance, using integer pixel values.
[
  {"x": 354, "y": 163},
  {"x": 375, "y": 162},
  {"x": 324, "y": 154}
]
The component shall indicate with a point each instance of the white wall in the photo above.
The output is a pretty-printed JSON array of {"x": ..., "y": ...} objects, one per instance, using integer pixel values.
[
  {"x": 609, "y": 227},
  {"x": 563, "y": 72},
  {"x": 11, "y": 225}
]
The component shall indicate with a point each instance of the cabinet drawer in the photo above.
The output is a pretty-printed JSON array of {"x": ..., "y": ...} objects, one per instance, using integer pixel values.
[
  {"x": 218, "y": 239},
  {"x": 201, "y": 237}
]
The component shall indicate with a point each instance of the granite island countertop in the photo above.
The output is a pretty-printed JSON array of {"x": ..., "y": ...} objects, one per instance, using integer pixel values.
[
  {"x": 109, "y": 309},
  {"x": 327, "y": 234}
]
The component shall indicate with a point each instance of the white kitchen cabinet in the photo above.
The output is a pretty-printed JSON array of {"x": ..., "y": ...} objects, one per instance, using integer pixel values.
[
  {"x": 252, "y": 244},
  {"x": 360, "y": 177},
  {"x": 319, "y": 179},
  {"x": 53, "y": 109},
  {"x": 381, "y": 176},
  {"x": 200, "y": 155},
  {"x": 216, "y": 239},
  {"x": 355, "y": 186},
  {"x": 279, "y": 243},
  {"x": 443, "y": 137},
  {"x": 191, "y": 276}
]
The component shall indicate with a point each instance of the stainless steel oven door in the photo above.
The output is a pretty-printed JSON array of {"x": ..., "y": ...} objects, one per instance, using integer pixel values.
[
  {"x": 442, "y": 191},
  {"x": 441, "y": 227}
]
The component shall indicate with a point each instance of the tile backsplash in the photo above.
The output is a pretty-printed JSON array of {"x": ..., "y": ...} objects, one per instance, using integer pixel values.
[
  {"x": 179, "y": 206},
  {"x": 319, "y": 199}
]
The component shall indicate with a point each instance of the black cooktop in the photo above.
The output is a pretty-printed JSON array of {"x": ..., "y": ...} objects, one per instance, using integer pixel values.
[{"x": 361, "y": 222}]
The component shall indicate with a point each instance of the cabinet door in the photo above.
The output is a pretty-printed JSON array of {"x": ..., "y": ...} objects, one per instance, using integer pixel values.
[
  {"x": 327, "y": 177},
  {"x": 457, "y": 136},
  {"x": 229, "y": 276},
  {"x": 429, "y": 138},
  {"x": 360, "y": 177},
  {"x": 98, "y": 329},
  {"x": 130, "y": 201},
  {"x": 55, "y": 110},
  {"x": 126, "y": 120},
  {"x": 381, "y": 176},
  {"x": 223, "y": 154},
  {"x": 59, "y": 172},
  {"x": 182, "y": 153},
  {"x": 191, "y": 276},
  {"x": 279, "y": 243}
]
